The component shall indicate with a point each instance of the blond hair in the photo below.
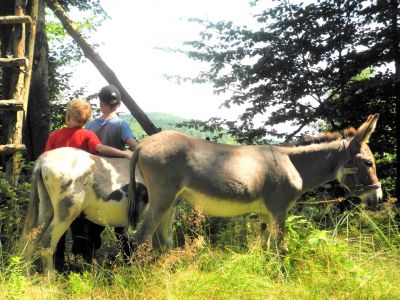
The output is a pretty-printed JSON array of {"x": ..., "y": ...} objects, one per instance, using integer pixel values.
[{"x": 79, "y": 110}]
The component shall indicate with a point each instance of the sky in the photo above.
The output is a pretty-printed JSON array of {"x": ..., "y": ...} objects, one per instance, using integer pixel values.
[{"x": 127, "y": 43}]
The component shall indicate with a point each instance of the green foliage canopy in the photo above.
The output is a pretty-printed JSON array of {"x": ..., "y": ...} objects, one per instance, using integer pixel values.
[{"x": 303, "y": 64}]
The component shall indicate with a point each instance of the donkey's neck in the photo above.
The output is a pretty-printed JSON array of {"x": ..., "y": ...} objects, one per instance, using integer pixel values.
[{"x": 317, "y": 163}]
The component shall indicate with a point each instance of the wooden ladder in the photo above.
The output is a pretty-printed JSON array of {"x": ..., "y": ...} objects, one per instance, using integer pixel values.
[{"x": 20, "y": 59}]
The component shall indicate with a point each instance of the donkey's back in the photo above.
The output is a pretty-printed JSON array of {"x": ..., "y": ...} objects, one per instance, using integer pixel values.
[{"x": 212, "y": 174}]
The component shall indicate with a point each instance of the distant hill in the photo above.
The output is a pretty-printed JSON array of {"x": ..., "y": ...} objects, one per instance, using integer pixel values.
[{"x": 169, "y": 122}]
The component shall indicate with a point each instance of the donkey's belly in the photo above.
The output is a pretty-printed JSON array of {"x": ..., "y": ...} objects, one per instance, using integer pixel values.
[
  {"x": 108, "y": 213},
  {"x": 223, "y": 207}
]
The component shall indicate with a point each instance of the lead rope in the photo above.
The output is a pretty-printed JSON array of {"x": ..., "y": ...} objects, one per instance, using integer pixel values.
[{"x": 337, "y": 200}]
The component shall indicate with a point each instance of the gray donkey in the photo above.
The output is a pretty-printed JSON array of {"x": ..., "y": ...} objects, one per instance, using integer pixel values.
[{"x": 228, "y": 180}]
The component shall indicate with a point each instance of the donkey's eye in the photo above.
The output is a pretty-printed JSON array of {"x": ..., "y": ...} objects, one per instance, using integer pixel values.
[{"x": 368, "y": 163}]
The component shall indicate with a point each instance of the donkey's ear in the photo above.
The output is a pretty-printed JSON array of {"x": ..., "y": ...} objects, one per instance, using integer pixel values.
[{"x": 365, "y": 130}]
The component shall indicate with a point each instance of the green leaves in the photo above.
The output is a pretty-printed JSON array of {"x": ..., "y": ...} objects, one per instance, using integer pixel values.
[{"x": 297, "y": 58}]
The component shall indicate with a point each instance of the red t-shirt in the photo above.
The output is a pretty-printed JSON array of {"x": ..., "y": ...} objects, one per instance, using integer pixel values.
[{"x": 73, "y": 137}]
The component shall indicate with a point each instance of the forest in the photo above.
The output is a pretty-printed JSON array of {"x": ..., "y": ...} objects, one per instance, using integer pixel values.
[{"x": 324, "y": 65}]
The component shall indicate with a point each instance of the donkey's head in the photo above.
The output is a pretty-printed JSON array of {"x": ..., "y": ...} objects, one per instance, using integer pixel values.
[{"x": 357, "y": 171}]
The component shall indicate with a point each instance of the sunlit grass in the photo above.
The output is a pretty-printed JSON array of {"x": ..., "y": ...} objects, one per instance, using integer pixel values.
[{"x": 358, "y": 258}]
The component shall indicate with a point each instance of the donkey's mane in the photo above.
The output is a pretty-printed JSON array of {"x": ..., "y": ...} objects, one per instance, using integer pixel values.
[
  {"x": 307, "y": 139},
  {"x": 310, "y": 143},
  {"x": 326, "y": 138}
]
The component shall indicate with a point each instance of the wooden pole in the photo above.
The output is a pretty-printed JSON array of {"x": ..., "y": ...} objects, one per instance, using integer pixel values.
[
  {"x": 31, "y": 50},
  {"x": 17, "y": 86},
  {"x": 102, "y": 67}
]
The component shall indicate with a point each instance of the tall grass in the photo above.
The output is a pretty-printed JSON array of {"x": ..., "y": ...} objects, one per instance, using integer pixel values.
[{"x": 353, "y": 256}]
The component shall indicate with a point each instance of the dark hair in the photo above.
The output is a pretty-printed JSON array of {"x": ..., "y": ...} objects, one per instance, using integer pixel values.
[{"x": 110, "y": 95}]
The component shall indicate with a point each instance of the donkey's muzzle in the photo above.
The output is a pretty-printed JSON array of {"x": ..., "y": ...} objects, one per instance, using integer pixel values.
[
  {"x": 360, "y": 189},
  {"x": 371, "y": 194},
  {"x": 373, "y": 197}
]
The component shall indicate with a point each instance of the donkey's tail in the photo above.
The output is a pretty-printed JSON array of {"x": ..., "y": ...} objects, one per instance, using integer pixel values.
[
  {"x": 133, "y": 214},
  {"x": 32, "y": 215},
  {"x": 32, "y": 232},
  {"x": 33, "y": 206}
]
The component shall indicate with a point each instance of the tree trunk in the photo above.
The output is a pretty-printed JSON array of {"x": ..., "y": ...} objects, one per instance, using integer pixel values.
[
  {"x": 396, "y": 55},
  {"x": 37, "y": 127},
  {"x": 102, "y": 67}
]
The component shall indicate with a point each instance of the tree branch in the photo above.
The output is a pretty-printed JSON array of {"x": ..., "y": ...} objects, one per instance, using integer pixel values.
[{"x": 102, "y": 67}]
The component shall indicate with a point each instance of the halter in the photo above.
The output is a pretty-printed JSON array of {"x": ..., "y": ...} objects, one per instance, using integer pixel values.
[{"x": 351, "y": 169}]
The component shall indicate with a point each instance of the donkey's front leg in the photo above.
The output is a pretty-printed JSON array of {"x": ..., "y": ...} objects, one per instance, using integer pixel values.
[
  {"x": 280, "y": 234},
  {"x": 265, "y": 229},
  {"x": 273, "y": 229}
]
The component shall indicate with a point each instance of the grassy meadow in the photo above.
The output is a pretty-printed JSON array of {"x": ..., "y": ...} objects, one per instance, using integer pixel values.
[{"x": 330, "y": 255}]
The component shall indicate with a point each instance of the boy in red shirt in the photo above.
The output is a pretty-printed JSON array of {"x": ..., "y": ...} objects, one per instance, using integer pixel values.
[{"x": 78, "y": 113}]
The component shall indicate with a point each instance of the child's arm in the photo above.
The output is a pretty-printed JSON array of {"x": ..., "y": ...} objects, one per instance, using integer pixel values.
[
  {"x": 132, "y": 143},
  {"x": 127, "y": 135},
  {"x": 111, "y": 151}
]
